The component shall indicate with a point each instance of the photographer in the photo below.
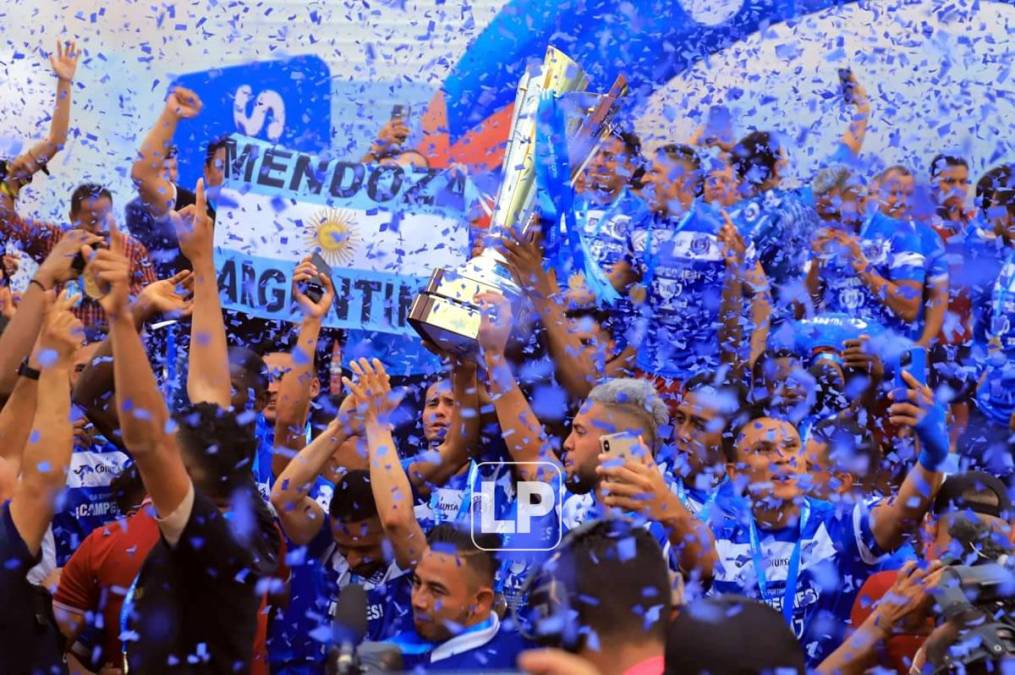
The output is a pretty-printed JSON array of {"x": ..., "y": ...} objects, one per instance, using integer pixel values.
[
  {"x": 968, "y": 524},
  {"x": 604, "y": 597},
  {"x": 807, "y": 557}
]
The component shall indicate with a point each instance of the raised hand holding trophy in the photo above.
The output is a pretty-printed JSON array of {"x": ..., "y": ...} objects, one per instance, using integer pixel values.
[{"x": 445, "y": 312}]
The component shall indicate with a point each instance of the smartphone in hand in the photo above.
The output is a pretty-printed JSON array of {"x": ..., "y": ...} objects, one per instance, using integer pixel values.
[
  {"x": 618, "y": 448},
  {"x": 915, "y": 361},
  {"x": 846, "y": 85},
  {"x": 313, "y": 289}
]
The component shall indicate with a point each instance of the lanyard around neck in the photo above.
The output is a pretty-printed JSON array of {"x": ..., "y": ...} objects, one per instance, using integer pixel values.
[
  {"x": 706, "y": 508},
  {"x": 792, "y": 573}
]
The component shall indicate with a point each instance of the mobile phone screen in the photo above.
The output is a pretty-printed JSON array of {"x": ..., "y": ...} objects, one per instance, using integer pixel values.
[{"x": 915, "y": 361}]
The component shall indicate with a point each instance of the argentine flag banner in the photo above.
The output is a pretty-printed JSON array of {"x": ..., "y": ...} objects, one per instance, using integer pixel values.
[{"x": 382, "y": 228}]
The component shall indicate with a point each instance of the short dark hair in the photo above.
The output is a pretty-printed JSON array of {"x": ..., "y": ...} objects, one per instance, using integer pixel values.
[
  {"x": 998, "y": 178},
  {"x": 353, "y": 498},
  {"x": 476, "y": 550},
  {"x": 728, "y": 387},
  {"x": 632, "y": 144},
  {"x": 254, "y": 374},
  {"x": 214, "y": 145},
  {"x": 755, "y": 157},
  {"x": 601, "y": 316},
  {"x": 707, "y": 636},
  {"x": 680, "y": 152},
  {"x": 896, "y": 168},
  {"x": 942, "y": 161},
  {"x": 996, "y": 185},
  {"x": 621, "y": 585},
  {"x": 221, "y": 442},
  {"x": 87, "y": 191}
]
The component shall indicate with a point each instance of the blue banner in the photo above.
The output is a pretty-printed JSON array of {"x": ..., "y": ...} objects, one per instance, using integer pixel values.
[{"x": 287, "y": 102}]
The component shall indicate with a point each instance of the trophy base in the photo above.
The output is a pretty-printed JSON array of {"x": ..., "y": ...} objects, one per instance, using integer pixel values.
[
  {"x": 451, "y": 325},
  {"x": 445, "y": 311}
]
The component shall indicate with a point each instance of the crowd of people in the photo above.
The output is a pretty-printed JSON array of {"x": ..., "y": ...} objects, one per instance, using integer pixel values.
[{"x": 780, "y": 444}]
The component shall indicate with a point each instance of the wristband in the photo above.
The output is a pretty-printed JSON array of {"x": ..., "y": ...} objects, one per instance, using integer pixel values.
[
  {"x": 25, "y": 370},
  {"x": 933, "y": 435},
  {"x": 39, "y": 284}
]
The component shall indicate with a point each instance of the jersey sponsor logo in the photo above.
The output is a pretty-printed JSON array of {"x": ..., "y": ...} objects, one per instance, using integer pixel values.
[
  {"x": 94, "y": 469},
  {"x": 668, "y": 289},
  {"x": 736, "y": 562},
  {"x": 100, "y": 509},
  {"x": 877, "y": 251},
  {"x": 375, "y": 611},
  {"x": 851, "y": 298}
]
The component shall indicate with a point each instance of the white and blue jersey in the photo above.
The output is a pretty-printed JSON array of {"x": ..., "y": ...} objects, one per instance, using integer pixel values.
[
  {"x": 579, "y": 509},
  {"x": 301, "y": 636},
  {"x": 837, "y": 552},
  {"x": 976, "y": 261},
  {"x": 777, "y": 226},
  {"x": 1001, "y": 329},
  {"x": 487, "y": 646},
  {"x": 87, "y": 502},
  {"x": 893, "y": 248},
  {"x": 459, "y": 501},
  {"x": 604, "y": 227},
  {"x": 681, "y": 264},
  {"x": 935, "y": 263}
]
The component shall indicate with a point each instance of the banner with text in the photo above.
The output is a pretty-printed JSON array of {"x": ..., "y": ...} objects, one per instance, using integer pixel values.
[{"x": 383, "y": 229}]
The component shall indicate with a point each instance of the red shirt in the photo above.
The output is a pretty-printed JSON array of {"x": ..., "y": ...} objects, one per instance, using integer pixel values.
[
  {"x": 37, "y": 239},
  {"x": 900, "y": 649},
  {"x": 98, "y": 575},
  {"x": 102, "y": 569}
]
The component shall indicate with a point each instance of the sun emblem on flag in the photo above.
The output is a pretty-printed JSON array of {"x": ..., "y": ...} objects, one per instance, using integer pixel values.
[{"x": 334, "y": 233}]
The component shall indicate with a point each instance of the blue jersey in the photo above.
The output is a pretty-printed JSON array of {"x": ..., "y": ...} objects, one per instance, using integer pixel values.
[
  {"x": 935, "y": 263},
  {"x": 458, "y": 501},
  {"x": 604, "y": 227},
  {"x": 1001, "y": 329},
  {"x": 681, "y": 264},
  {"x": 488, "y": 646},
  {"x": 87, "y": 502},
  {"x": 837, "y": 554},
  {"x": 389, "y": 594},
  {"x": 777, "y": 226},
  {"x": 975, "y": 259},
  {"x": 893, "y": 248}
]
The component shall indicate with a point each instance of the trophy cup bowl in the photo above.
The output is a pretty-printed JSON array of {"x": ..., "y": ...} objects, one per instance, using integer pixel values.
[{"x": 444, "y": 312}]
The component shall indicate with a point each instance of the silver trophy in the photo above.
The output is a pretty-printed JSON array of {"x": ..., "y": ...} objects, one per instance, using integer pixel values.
[{"x": 445, "y": 312}]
